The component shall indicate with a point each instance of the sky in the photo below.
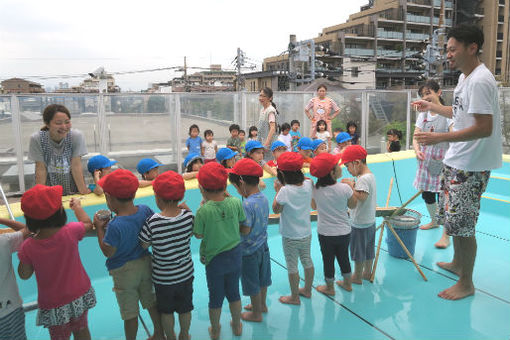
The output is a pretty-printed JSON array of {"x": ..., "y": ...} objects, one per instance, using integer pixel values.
[{"x": 42, "y": 39}]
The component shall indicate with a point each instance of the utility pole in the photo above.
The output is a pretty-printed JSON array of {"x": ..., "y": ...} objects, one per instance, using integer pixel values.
[
  {"x": 186, "y": 85},
  {"x": 239, "y": 64}
]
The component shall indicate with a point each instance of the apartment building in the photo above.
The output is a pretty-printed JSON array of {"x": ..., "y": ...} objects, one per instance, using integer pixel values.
[{"x": 18, "y": 85}]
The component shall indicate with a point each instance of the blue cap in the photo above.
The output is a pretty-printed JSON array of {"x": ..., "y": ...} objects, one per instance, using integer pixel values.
[
  {"x": 253, "y": 144},
  {"x": 99, "y": 162},
  {"x": 190, "y": 158},
  {"x": 316, "y": 143},
  {"x": 305, "y": 143},
  {"x": 146, "y": 165},
  {"x": 225, "y": 153},
  {"x": 343, "y": 137},
  {"x": 277, "y": 144}
]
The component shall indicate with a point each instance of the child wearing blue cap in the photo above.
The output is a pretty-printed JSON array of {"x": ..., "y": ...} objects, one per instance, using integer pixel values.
[
  {"x": 319, "y": 146},
  {"x": 226, "y": 157},
  {"x": 149, "y": 169},
  {"x": 277, "y": 148},
  {"x": 305, "y": 147},
  {"x": 343, "y": 139},
  {"x": 99, "y": 166},
  {"x": 255, "y": 151},
  {"x": 192, "y": 163}
]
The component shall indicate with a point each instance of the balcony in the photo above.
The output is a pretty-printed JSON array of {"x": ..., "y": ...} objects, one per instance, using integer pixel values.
[
  {"x": 381, "y": 33},
  {"x": 447, "y": 4},
  {"x": 419, "y": 19},
  {"x": 362, "y": 52}
]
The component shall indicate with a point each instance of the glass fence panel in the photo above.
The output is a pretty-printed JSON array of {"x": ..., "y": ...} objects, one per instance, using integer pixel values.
[
  {"x": 504, "y": 104},
  {"x": 349, "y": 103},
  {"x": 8, "y": 169}
]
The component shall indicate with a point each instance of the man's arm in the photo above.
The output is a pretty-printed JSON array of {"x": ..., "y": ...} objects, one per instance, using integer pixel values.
[
  {"x": 423, "y": 106},
  {"x": 480, "y": 129}
]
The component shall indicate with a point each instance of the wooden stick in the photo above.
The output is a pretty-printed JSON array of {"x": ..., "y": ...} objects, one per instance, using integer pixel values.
[
  {"x": 389, "y": 193},
  {"x": 396, "y": 212},
  {"x": 374, "y": 267}
]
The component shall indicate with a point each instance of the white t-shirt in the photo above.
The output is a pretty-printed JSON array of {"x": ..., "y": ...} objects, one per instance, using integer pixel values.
[
  {"x": 323, "y": 135},
  {"x": 287, "y": 140},
  {"x": 331, "y": 201},
  {"x": 9, "y": 294},
  {"x": 209, "y": 149},
  {"x": 295, "y": 216},
  {"x": 363, "y": 215},
  {"x": 476, "y": 94},
  {"x": 428, "y": 122}
]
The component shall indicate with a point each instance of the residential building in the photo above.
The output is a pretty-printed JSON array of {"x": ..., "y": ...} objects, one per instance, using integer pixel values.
[
  {"x": 214, "y": 79},
  {"x": 18, "y": 85}
]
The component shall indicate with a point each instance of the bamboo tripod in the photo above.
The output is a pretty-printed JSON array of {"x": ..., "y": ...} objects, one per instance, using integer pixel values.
[{"x": 390, "y": 227}]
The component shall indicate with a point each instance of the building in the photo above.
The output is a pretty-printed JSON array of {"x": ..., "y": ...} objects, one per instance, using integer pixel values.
[
  {"x": 274, "y": 79},
  {"x": 214, "y": 79},
  {"x": 92, "y": 84},
  {"x": 18, "y": 85}
]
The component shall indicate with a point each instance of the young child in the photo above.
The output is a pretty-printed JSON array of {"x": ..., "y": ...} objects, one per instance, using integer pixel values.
[
  {"x": 99, "y": 166},
  {"x": 194, "y": 142},
  {"x": 209, "y": 147},
  {"x": 217, "y": 224},
  {"x": 343, "y": 139},
  {"x": 285, "y": 136},
  {"x": 305, "y": 148},
  {"x": 149, "y": 169},
  {"x": 169, "y": 233},
  {"x": 12, "y": 317},
  {"x": 226, "y": 157},
  {"x": 331, "y": 199},
  {"x": 352, "y": 129},
  {"x": 64, "y": 291},
  {"x": 292, "y": 201},
  {"x": 295, "y": 134},
  {"x": 393, "y": 143},
  {"x": 192, "y": 163},
  {"x": 234, "y": 143},
  {"x": 336, "y": 131},
  {"x": 127, "y": 262},
  {"x": 256, "y": 262},
  {"x": 277, "y": 148},
  {"x": 363, "y": 214},
  {"x": 319, "y": 146},
  {"x": 255, "y": 151},
  {"x": 323, "y": 133},
  {"x": 242, "y": 138},
  {"x": 253, "y": 133}
]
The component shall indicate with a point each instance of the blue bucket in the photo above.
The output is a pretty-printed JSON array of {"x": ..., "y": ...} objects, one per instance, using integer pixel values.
[{"x": 406, "y": 227}]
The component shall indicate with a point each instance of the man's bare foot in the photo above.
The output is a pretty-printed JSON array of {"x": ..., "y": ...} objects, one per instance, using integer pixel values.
[
  {"x": 346, "y": 286},
  {"x": 367, "y": 276},
  {"x": 449, "y": 266},
  {"x": 357, "y": 280},
  {"x": 214, "y": 334},
  {"x": 324, "y": 289},
  {"x": 250, "y": 307},
  {"x": 250, "y": 316},
  {"x": 457, "y": 291},
  {"x": 289, "y": 300},
  {"x": 443, "y": 243},
  {"x": 237, "y": 331},
  {"x": 305, "y": 293},
  {"x": 429, "y": 226}
]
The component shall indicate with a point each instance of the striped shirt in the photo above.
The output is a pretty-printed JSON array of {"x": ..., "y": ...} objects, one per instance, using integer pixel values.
[{"x": 170, "y": 238}]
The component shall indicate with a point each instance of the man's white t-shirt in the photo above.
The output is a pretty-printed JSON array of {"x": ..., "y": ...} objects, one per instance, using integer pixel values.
[
  {"x": 476, "y": 94},
  {"x": 295, "y": 217},
  {"x": 332, "y": 219},
  {"x": 363, "y": 215}
]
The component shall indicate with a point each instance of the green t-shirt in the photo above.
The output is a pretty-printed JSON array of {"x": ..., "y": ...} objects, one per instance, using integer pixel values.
[
  {"x": 218, "y": 222},
  {"x": 243, "y": 147},
  {"x": 234, "y": 141}
]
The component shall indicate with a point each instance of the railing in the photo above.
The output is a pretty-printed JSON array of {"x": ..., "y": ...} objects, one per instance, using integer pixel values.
[{"x": 381, "y": 33}]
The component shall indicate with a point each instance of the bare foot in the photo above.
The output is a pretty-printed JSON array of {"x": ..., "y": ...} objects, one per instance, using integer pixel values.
[
  {"x": 324, "y": 289},
  {"x": 250, "y": 307},
  {"x": 443, "y": 243},
  {"x": 457, "y": 291},
  {"x": 346, "y": 286},
  {"x": 305, "y": 293},
  {"x": 289, "y": 300},
  {"x": 367, "y": 276},
  {"x": 449, "y": 266},
  {"x": 429, "y": 226},
  {"x": 356, "y": 280},
  {"x": 250, "y": 316},
  {"x": 214, "y": 334},
  {"x": 237, "y": 331}
]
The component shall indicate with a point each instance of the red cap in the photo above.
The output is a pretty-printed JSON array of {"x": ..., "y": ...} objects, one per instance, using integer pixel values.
[
  {"x": 290, "y": 161},
  {"x": 121, "y": 184},
  {"x": 323, "y": 163},
  {"x": 169, "y": 186},
  {"x": 247, "y": 167},
  {"x": 212, "y": 176},
  {"x": 353, "y": 153},
  {"x": 42, "y": 201}
]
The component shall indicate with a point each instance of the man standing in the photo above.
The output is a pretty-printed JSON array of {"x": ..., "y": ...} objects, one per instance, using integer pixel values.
[{"x": 475, "y": 149}]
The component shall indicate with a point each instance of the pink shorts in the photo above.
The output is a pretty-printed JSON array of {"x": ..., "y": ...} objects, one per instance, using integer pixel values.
[{"x": 64, "y": 331}]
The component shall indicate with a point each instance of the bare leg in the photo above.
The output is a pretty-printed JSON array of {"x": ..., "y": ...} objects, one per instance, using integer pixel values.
[
  {"x": 214, "y": 317},
  {"x": 306, "y": 291},
  {"x": 156, "y": 321},
  {"x": 328, "y": 288},
  {"x": 263, "y": 305},
  {"x": 167, "y": 322},
  {"x": 367, "y": 269},
  {"x": 346, "y": 283},
  {"x": 454, "y": 266},
  {"x": 235, "y": 312},
  {"x": 293, "y": 299},
  {"x": 131, "y": 328},
  {"x": 184, "y": 323},
  {"x": 358, "y": 271},
  {"x": 82, "y": 334},
  {"x": 444, "y": 242},
  {"x": 256, "y": 312}
]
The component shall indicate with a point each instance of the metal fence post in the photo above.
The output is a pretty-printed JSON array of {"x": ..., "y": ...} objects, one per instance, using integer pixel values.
[
  {"x": 364, "y": 118},
  {"x": 244, "y": 117},
  {"x": 178, "y": 157},
  {"x": 408, "y": 119},
  {"x": 102, "y": 126},
  {"x": 18, "y": 146}
]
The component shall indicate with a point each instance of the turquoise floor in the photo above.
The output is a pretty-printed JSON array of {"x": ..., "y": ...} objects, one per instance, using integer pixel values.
[{"x": 398, "y": 305}]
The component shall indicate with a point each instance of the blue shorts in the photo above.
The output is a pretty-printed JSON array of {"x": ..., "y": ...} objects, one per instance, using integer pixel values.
[
  {"x": 223, "y": 274},
  {"x": 362, "y": 243},
  {"x": 256, "y": 271},
  {"x": 175, "y": 298}
]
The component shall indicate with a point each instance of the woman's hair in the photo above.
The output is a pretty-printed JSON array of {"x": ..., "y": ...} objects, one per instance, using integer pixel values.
[
  {"x": 431, "y": 85},
  {"x": 207, "y": 133},
  {"x": 236, "y": 179},
  {"x": 189, "y": 168},
  {"x": 321, "y": 122},
  {"x": 251, "y": 129},
  {"x": 269, "y": 94},
  {"x": 194, "y": 126},
  {"x": 50, "y": 111},
  {"x": 351, "y": 123},
  {"x": 325, "y": 181},
  {"x": 395, "y": 132},
  {"x": 285, "y": 126},
  {"x": 58, "y": 219},
  {"x": 322, "y": 86},
  {"x": 290, "y": 177}
]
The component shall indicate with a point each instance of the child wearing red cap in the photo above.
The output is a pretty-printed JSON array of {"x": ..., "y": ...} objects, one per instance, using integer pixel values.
[
  {"x": 217, "y": 224},
  {"x": 293, "y": 199},
  {"x": 128, "y": 263},
  {"x": 363, "y": 214},
  {"x": 256, "y": 262},
  {"x": 331, "y": 200},
  {"x": 169, "y": 233},
  {"x": 64, "y": 291}
]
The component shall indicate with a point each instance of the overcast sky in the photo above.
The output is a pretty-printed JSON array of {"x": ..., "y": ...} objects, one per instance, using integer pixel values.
[{"x": 50, "y": 37}]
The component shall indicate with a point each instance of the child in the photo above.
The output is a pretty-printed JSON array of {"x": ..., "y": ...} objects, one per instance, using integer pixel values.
[
  {"x": 149, "y": 169},
  {"x": 169, "y": 233},
  {"x": 226, "y": 157},
  {"x": 99, "y": 166},
  {"x": 217, "y": 224},
  {"x": 209, "y": 147},
  {"x": 194, "y": 142},
  {"x": 363, "y": 214},
  {"x": 253, "y": 133},
  {"x": 12, "y": 317},
  {"x": 293, "y": 199},
  {"x": 277, "y": 148},
  {"x": 323, "y": 133},
  {"x": 234, "y": 143},
  {"x": 295, "y": 134},
  {"x": 192, "y": 163},
  {"x": 242, "y": 138},
  {"x": 336, "y": 131},
  {"x": 319, "y": 146},
  {"x": 255, "y": 151},
  {"x": 64, "y": 291},
  {"x": 127, "y": 262},
  {"x": 285, "y": 137},
  {"x": 305, "y": 148},
  {"x": 256, "y": 262},
  {"x": 393, "y": 143},
  {"x": 352, "y": 129},
  {"x": 343, "y": 139},
  {"x": 331, "y": 200}
]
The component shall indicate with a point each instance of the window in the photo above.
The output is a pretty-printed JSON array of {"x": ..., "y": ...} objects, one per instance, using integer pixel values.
[{"x": 354, "y": 72}]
